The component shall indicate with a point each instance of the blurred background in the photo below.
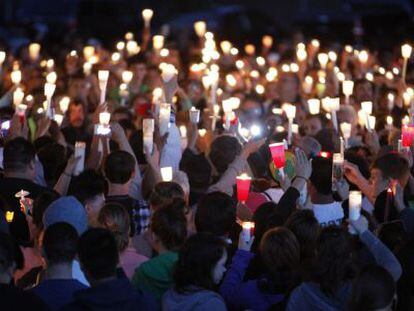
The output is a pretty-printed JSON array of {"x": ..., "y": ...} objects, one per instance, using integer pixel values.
[{"x": 374, "y": 23}]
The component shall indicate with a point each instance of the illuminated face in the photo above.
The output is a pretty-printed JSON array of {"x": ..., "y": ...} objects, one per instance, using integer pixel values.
[
  {"x": 219, "y": 269},
  {"x": 76, "y": 115},
  {"x": 312, "y": 126},
  {"x": 288, "y": 88},
  {"x": 378, "y": 182}
]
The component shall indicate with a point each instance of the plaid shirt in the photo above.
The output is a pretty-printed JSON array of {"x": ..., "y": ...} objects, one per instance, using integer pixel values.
[{"x": 138, "y": 210}]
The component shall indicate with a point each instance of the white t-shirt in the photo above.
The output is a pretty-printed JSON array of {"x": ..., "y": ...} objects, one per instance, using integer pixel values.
[{"x": 329, "y": 214}]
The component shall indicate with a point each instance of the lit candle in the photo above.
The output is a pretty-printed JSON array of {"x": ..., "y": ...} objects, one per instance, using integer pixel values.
[
  {"x": 127, "y": 76},
  {"x": 389, "y": 122},
  {"x": 347, "y": 89},
  {"x": 290, "y": 111},
  {"x": 2, "y": 57},
  {"x": 407, "y": 135},
  {"x": 51, "y": 77},
  {"x": 103, "y": 76},
  {"x": 243, "y": 187},
  {"x": 247, "y": 230},
  {"x": 104, "y": 118},
  {"x": 148, "y": 126},
  {"x": 9, "y": 216},
  {"x": 166, "y": 173},
  {"x": 366, "y": 106},
  {"x": 168, "y": 72},
  {"x": 200, "y": 28},
  {"x": 337, "y": 169},
  {"x": 390, "y": 103},
  {"x": 267, "y": 41},
  {"x": 49, "y": 91},
  {"x": 226, "y": 46},
  {"x": 64, "y": 104},
  {"x": 16, "y": 76},
  {"x": 80, "y": 148},
  {"x": 314, "y": 105},
  {"x": 346, "y": 129},
  {"x": 323, "y": 59},
  {"x": 58, "y": 118},
  {"x": 88, "y": 52},
  {"x": 355, "y": 201},
  {"x": 277, "y": 151},
  {"x": 371, "y": 120},
  {"x": 194, "y": 115},
  {"x": 164, "y": 118},
  {"x": 18, "y": 96},
  {"x": 34, "y": 50},
  {"x": 158, "y": 42},
  {"x": 132, "y": 47},
  {"x": 406, "y": 50},
  {"x": 307, "y": 84},
  {"x": 87, "y": 68},
  {"x": 250, "y": 49},
  {"x": 147, "y": 16}
]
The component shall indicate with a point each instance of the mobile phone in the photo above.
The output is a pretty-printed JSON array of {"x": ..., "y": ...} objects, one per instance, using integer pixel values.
[{"x": 5, "y": 128}]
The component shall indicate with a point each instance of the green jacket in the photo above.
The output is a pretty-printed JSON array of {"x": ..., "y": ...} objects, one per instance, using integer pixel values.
[{"x": 155, "y": 275}]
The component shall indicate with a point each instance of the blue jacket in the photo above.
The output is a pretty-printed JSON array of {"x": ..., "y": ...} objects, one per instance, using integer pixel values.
[
  {"x": 114, "y": 295},
  {"x": 241, "y": 295}
]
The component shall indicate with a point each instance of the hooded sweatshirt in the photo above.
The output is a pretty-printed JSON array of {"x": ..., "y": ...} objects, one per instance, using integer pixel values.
[
  {"x": 201, "y": 300},
  {"x": 117, "y": 294},
  {"x": 309, "y": 297},
  {"x": 155, "y": 275}
]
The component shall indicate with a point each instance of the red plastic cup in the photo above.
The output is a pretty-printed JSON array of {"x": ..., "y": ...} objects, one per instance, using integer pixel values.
[
  {"x": 243, "y": 187},
  {"x": 278, "y": 154},
  {"x": 407, "y": 135}
]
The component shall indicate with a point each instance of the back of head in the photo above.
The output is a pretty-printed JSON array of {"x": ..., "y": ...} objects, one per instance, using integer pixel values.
[
  {"x": 164, "y": 193},
  {"x": 196, "y": 262},
  {"x": 40, "y": 204},
  {"x": 60, "y": 243},
  {"x": 170, "y": 226},
  {"x": 392, "y": 165},
  {"x": 216, "y": 213},
  {"x": 197, "y": 168},
  {"x": 119, "y": 167},
  {"x": 321, "y": 177},
  {"x": 115, "y": 218},
  {"x": 224, "y": 150},
  {"x": 280, "y": 250},
  {"x": 181, "y": 178},
  {"x": 18, "y": 154},
  {"x": 334, "y": 262},
  {"x": 306, "y": 228},
  {"x": 87, "y": 185},
  {"x": 326, "y": 138},
  {"x": 373, "y": 289},
  {"x": 98, "y": 254},
  {"x": 69, "y": 210}
]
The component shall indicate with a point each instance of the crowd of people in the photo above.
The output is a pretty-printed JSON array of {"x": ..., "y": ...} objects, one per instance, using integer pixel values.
[{"x": 144, "y": 212}]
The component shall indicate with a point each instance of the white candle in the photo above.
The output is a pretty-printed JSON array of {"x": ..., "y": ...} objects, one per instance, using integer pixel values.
[
  {"x": 51, "y": 77},
  {"x": 103, "y": 76},
  {"x": 194, "y": 115},
  {"x": 64, "y": 104},
  {"x": 323, "y": 59},
  {"x": 104, "y": 118},
  {"x": 166, "y": 173},
  {"x": 370, "y": 124},
  {"x": 314, "y": 105},
  {"x": 16, "y": 76},
  {"x": 34, "y": 50},
  {"x": 88, "y": 52},
  {"x": 158, "y": 42},
  {"x": 148, "y": 126},
  {"x": 148, "y": 143},
  {"x": 355, "y": 201},
  {"x": 168, "y": 72},
  {"x": 58, "y": 118},
  {"x": 366, "y": 106},
  {"x": 226, "y": 46},
  {"x": 79, "y": 152},
  {"x": 49, "y": 91},
  {"x": 2, "y": 57},
  {"x": 347, "y": 89},
  {"x": 346, "y": 129},
  {"x": 389, "y": 122},
  {"x": 307, "y": 84},
  {"x": 200, "y": 28},
  {"x": 164, "y": 118},
  {"x": 18, "y": 96},
  {"x": 406, "y": 50},
  {"x": 127, "y": 76},
  {"x": 248, "y": 227},
  {"x": 147, "y": 16}
]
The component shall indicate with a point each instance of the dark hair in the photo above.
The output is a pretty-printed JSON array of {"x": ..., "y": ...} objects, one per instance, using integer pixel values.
[
  {"x": 196, "y": 262},
  {"x": 18, "y": 154},
  {"x": 60, "y": 243},
  {"x": 119, "y": 166},
  {"x": 53, "y": 158},
  {"x": 306, "y": 228},
  {"x": 170, "y": 226},
  {"x": 392, "y": 165},
  {"x": 164, "y": 193},
  {"x": 40, "y": 204},
  {"x": 265, "y": 218},
  {"x": 87, "y": 185},
  {"x": 197, "y": 168},
  {"x": 216, "y": 213},
  {"x": 373, "y": 289},
  {"x": 224, "y": 150},
  {"x": 98, "y": 253},
  {"x": 333, "y": 262},
  {"x": 7, "y": 252},
  {"x": 115, "y": 218},
  {"x": 280, "y": 250},
  {"x": 321, "y": 176}
]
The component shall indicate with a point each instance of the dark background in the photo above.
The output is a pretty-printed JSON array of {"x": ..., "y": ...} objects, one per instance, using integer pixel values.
[{"x": 375, "y": 23}]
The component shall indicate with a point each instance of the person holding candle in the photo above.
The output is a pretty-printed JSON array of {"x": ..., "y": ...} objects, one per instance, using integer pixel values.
[
  {"x": 200, "y": 267},
  {"x": 77, "y": 127},
  {"x": 281, "y": 256}
]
